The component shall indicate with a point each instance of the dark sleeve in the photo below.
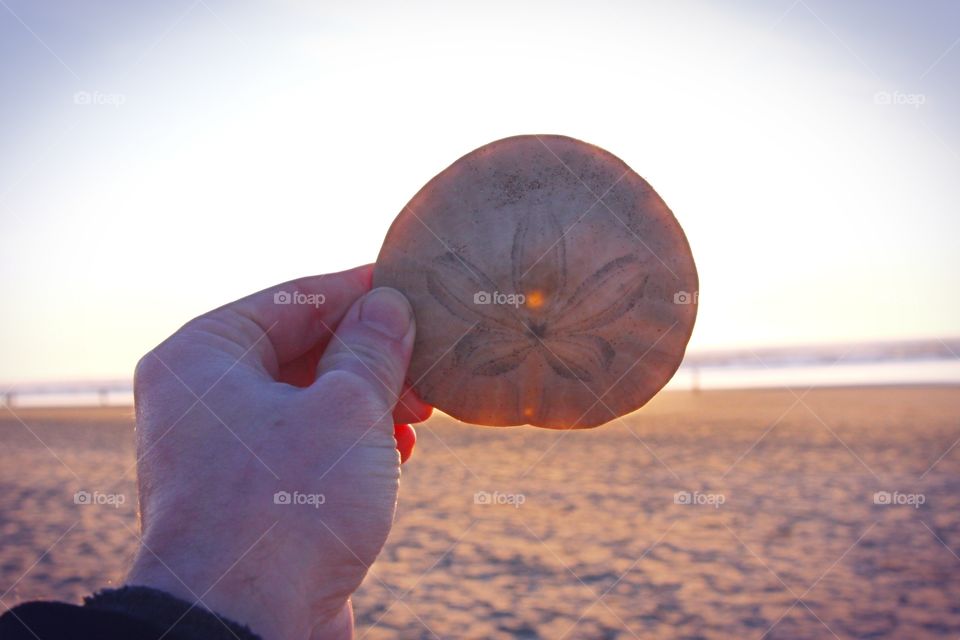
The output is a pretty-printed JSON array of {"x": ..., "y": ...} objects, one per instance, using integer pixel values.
[{"x": 130, "y": 613}]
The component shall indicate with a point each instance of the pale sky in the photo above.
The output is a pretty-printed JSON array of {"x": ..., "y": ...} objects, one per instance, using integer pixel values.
[{"x": 156, "y": 162}]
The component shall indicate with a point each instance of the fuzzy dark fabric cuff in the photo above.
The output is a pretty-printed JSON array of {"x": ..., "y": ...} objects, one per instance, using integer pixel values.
[
  {"x": 185, "y": 620},
  {"x": 129, "y": 613}
]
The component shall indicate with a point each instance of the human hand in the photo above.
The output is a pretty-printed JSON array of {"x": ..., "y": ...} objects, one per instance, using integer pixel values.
[{"x": 252, "y": 408}]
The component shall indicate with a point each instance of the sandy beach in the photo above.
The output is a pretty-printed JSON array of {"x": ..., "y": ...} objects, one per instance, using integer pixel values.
[{"x": 721, "y": 514}]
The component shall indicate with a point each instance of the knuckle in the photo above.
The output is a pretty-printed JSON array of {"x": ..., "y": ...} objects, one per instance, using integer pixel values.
[
  {"x": 352, "y": 392},
  {"x": 147, "y": 369},
  {"x": 378, "y": 359},
  {"x": 370, "y": 361},
  {"x": 345, "y": 383}
]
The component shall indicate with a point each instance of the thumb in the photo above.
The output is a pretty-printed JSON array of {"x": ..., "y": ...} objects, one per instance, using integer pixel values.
[{"x": 373, "y": 342}]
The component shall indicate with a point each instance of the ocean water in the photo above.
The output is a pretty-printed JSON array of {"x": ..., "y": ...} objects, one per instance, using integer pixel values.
[
  {"x": 735, "y": 376},
  {"x": 900, "y": 372}
]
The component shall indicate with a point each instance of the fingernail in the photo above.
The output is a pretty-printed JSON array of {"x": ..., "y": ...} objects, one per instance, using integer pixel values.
[{"x": 387, "y": 311}]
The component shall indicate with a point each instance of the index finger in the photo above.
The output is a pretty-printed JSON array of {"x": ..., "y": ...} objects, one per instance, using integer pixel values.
[{"x": 298, "y": 315}]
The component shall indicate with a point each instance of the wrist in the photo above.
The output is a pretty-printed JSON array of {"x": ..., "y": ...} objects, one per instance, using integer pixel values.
[{"x": 269, "y": 607}]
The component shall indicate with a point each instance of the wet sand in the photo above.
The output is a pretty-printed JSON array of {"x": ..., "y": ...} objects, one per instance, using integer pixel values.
[{"x": 722, "y": 514}]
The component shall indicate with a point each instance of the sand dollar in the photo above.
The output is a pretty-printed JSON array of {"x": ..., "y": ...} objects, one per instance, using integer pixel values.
[{"x": 551, "y": 285}]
